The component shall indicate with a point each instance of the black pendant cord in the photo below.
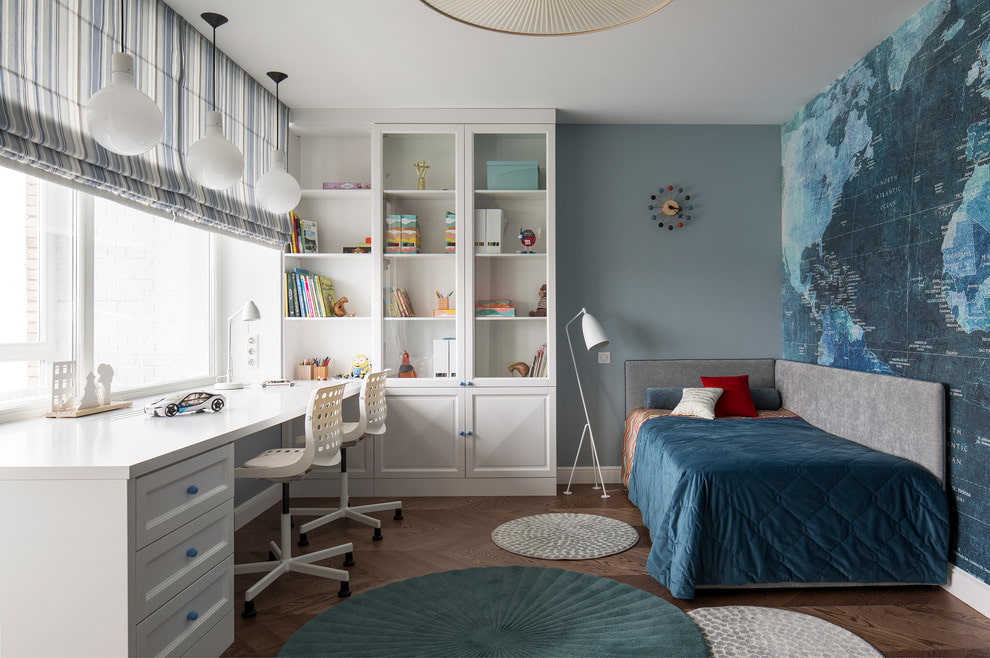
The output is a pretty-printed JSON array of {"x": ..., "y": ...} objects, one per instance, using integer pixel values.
[
  {"x": 277, "y": 77},
  {"x": 214, "y": 21},
  {"x": 122, "y": 48}
]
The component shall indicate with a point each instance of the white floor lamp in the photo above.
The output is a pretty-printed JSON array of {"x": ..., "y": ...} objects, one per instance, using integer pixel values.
[
  {"x": 594, "y": 338},
  {"x": 248, "y": 313}
]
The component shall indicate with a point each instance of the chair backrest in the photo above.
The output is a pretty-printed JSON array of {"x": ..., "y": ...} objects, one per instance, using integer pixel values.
[
  {"x": 323, "y": 425},
  {"x": 373, "y": 406}
]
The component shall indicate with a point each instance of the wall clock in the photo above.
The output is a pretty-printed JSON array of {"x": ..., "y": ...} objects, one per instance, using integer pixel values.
[{"x": 669, "y": 207}]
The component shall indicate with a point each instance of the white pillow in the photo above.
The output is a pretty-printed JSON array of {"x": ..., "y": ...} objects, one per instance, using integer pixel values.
[{"x": 698, "y": 402}]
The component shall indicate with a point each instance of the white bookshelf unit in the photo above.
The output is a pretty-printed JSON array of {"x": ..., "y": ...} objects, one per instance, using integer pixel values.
[{"x": 465, "y": 424}]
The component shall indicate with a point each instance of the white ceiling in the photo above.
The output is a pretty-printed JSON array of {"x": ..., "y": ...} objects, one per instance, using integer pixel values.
[{"x": 695, "y": 61}]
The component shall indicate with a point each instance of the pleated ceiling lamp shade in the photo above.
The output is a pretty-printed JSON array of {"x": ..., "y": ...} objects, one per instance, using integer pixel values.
[{"x": 546, "y": 17}]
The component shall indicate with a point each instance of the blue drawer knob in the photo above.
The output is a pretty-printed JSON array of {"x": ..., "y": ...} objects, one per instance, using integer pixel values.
[
  {"x": 192, "y": 615},
  {"x": 192, "y": 490},
  {"x": 192, "y": 552}
]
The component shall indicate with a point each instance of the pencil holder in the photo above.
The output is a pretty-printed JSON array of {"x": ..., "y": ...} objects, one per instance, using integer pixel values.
[
  {"x": 321, "y": 372},
  {"x": 304, "y": 372},
  {"x": 443, "y": 303}
]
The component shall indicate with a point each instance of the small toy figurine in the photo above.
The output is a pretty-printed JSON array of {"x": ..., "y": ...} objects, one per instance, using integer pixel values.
[
  {"x": 541, "y": 306},
  {"x": 104, "y": 379},
  {"x": 406, "y": 368},
  {"x": 338, "y": 308},
  {"x": 360, "y": 365},
  {"x": 421, "y": 168},
  {"x": 520, "y": 367},
  {"x": 528, "y": 238}
]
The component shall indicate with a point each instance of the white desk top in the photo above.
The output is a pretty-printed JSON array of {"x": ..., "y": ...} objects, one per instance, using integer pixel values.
[{"x": 126, "y": 443}]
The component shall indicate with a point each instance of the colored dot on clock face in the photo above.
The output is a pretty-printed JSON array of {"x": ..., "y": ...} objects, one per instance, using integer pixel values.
[
  {"x": 670, "y": 187},
  {"x": 680, "y": 224}
]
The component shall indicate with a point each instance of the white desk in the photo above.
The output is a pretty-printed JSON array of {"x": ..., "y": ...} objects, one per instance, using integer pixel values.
[{"x": 97, "y": 515}]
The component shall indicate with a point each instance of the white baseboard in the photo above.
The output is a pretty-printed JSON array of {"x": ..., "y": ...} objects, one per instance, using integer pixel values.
[
  {"x": 587, "y": 475},
  {"x": 969, "y": 589},
  {"x": 254, "y": 506}
]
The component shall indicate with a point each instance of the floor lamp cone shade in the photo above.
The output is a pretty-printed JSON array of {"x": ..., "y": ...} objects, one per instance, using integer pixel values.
[
  {"x": 121, "y": 117},
  {"x": 213, "y": 161},
  {"x": 247, "y": 313},
  {"x": 594, "y": 335}
]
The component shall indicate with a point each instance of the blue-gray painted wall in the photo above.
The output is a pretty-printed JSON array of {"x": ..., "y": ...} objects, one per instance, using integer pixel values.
[{"x": 711, "y": 289}]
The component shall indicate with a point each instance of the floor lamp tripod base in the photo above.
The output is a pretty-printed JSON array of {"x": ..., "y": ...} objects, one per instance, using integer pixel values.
[{"x": 594, "y": 456}]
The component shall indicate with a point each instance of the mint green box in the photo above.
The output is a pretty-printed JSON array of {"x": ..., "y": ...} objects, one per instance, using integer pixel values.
[{"x": 513, "y": 175}]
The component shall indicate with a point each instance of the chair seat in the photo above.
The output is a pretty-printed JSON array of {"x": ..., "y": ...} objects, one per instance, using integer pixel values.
[{"x": 280, "y": 458}]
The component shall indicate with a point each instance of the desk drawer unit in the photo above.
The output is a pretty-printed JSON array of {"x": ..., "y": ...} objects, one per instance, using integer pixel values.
[
  {"x": 177, "y": 626},
  {"x": 172, "y": 496},
  {"x": 170, "y": 564}
]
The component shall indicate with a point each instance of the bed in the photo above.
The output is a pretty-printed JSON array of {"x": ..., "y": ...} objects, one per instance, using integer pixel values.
[{"x": 843, "y": 485}]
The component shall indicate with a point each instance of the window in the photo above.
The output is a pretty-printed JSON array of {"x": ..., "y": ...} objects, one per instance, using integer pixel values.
[{"x": 90, "y": 280}]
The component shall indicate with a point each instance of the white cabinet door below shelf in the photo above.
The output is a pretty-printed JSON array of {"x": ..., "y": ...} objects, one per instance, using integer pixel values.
[
  {"x": 509, "y": 433},
  {"x": 422, "y": 438}
]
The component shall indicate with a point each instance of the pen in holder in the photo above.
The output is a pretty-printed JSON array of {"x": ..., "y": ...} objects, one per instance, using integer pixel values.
[{"x": 321, "y": 373}]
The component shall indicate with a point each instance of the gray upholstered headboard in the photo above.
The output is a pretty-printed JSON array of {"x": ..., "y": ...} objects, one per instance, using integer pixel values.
[{"x": 903, "y": 417}]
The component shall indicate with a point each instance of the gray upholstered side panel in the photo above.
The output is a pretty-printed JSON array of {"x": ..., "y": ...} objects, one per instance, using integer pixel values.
[
  {"x": 681, "y": 373},
  {"x": 903, "y": 417}
]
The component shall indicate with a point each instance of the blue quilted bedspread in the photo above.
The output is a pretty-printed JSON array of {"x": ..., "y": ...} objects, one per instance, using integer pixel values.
[{"x": 730, "y": 502}]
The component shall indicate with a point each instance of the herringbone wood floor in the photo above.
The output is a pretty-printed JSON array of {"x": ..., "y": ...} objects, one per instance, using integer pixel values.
[{"x": 439, "y": 534}]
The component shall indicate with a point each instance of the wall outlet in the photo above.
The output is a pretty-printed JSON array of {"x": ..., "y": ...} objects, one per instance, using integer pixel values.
[
  {"x": 251, "y": 347},
  {"x": 605, "y": 357}
]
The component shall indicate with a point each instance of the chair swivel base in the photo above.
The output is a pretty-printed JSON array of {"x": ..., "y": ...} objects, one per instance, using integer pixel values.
[
  {"x": 330, "y": 515},
  {"x": 284, "y": 562}
]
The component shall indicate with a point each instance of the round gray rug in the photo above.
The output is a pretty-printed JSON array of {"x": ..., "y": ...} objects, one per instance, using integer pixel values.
[
  {"x": 753, "y": 631},
  {"x": 565, "y": 536}
]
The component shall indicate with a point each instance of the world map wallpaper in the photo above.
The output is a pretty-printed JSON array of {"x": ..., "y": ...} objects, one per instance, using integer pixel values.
[{"x": 886, "y": 233}]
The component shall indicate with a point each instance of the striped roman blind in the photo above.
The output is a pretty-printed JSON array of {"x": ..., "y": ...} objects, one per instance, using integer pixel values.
[{"x": 55, "y": 54}]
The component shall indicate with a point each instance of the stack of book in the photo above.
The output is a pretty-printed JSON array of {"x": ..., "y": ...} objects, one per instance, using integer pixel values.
[
  {"x": 539, "y": 368},
  {"x": 397, "y": 304},
  {"x": 402, "y": 234},
  {"x": 303, "y": 239},
  {"x": 450, "y": 232},
  {"x": 308, "y": 295}
]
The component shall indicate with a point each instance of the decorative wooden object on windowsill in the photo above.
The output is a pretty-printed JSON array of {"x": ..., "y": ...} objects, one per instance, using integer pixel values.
[{"x": 96, "y": 394}]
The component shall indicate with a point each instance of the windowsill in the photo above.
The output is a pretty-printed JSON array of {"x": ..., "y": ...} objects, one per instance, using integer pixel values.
[{"x": 23, "y": 411}]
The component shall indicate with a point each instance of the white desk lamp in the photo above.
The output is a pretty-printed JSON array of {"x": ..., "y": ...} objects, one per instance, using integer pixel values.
[
  {"x": 248, "y": 313},
  {"x": 594, "y": 338}
]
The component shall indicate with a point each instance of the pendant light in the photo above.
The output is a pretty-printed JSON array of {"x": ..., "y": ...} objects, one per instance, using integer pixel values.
[
  {"x": 213, "y": 161},
  {"x": 120, "y": 117},
  {"x": 277, "y": 190}
]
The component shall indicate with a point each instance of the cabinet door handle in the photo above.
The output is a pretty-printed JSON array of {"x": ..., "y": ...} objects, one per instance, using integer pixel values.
[
  {"x": 469, "y": 433},
  {"x": 460, "y": 383},
  {"x": 192, "y": 490},
  {"x": 470, "y": 383},
  {"x": 192, "y": 615},
  {"x": 192, "y": 552},
  {"x": 461, "y": 433}
]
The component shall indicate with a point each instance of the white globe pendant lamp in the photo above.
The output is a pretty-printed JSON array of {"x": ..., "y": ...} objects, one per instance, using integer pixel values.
[
  {"x": 213, "y": 161},
  {"x": 120, "y": 117},
  {"x": 277, "y": 190}
]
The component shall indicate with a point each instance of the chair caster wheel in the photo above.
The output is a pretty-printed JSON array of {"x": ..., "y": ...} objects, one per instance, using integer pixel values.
[
  {"x": 303, "y": 539},
  {"x": 345, "y": 591},
  {"x": 349, "y": 559},
  {"x": 398, "y": 515},
  {"x": 249, "y": 610},
  {"x": 378, "y": 535}
]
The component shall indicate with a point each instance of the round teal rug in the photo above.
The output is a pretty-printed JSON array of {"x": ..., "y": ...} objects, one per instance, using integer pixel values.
[{"x": 501, "y": 611}]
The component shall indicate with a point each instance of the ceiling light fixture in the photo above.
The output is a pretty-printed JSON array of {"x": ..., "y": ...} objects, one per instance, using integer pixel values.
[
  {"x": 213, "y": 161},
  {"x": 546, "y": 17},
  {"x": 277, "y": 190},
  {"x": 120, "y": 117}
]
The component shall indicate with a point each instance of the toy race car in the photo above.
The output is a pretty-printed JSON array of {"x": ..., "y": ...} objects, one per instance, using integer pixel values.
[{"x": 181, "y": 403}]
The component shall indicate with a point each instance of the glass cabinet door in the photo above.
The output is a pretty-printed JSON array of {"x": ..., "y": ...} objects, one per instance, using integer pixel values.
[
  {"x": 420, "y": 177},
  {"x": 510, "y": 263}
]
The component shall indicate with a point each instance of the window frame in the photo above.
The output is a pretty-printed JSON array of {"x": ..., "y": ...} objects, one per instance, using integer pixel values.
[{"x": 81, "y": 204}]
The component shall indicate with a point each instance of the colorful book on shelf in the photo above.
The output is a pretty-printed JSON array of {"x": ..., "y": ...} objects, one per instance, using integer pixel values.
[
  {"x": 294, "y": 234},
  {"x": 495, "y": 307},
  {"x": 450, "y": 232},
  {"x": 309, "y": 239},
  {"x": 406, "y": 304},
  {"x": 388, "y": 299},
  {"x": 393, "y": 234},
  {"x": 324, "y": 286}
]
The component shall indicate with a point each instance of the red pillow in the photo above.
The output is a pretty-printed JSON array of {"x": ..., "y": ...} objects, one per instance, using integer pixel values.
[{"x": 736, "y": 399}]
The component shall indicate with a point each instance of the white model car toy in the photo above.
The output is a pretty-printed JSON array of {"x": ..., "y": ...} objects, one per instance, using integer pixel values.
[{"x": 181, "y": 403}]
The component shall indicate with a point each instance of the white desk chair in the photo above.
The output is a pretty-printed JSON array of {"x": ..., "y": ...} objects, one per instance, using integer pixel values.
[
  {"x": 371, "y": 421},
  {"x": 323, "y": 439}
]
